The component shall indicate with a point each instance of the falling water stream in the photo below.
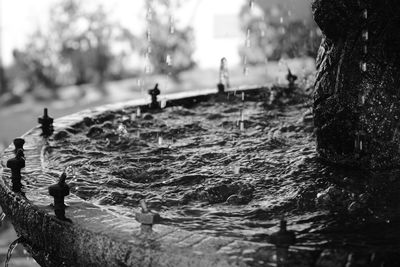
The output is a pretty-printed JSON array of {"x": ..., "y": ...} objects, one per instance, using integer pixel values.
[{"x": 11, "y": 248}]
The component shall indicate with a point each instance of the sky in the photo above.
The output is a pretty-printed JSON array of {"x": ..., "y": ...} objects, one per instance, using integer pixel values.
[{"x": 207, "y": 17}]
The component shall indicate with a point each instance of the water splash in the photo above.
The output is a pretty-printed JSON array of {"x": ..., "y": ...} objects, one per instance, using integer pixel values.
[
  {"x": 11, "y": 249},
  {"x": 241, "y": 126},
  {"x": 236, "y": 169},
  {"x": 163, "y": 103},
  {"x": 122, "y": 131},
  {"x": 223, "y": 72},
  {"x": 160, "y": 141},
  {"x": 168, "y": 60},
  {"x": 70, "y": 171}
]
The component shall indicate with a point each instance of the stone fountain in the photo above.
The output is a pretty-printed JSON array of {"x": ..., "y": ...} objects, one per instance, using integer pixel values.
[{"x": 336, "y": 216}]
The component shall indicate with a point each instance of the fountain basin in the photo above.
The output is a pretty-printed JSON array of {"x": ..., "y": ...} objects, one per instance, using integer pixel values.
[
  {"x": 98, "y": 237},
  {"x": 102, "y": 235}
]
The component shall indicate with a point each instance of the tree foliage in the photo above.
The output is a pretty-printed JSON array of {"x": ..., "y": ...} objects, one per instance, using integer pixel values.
[
  {"x": 274, "y": 36},
  {"x": 171, "y": 47},
  {"x": 74, "y": 49}
]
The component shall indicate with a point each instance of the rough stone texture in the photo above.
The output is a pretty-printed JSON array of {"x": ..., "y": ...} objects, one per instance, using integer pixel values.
[{"x": 349, "y": 100}]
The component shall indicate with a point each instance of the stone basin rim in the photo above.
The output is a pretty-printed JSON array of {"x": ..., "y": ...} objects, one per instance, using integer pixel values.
[{"x": 87, "y": 243}]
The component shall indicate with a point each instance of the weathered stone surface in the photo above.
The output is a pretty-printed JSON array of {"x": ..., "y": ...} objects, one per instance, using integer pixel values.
[{"x": 352, "y": 98}]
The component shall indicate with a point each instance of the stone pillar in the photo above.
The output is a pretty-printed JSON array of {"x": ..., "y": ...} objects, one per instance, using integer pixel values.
[{"x": 357, "y": 89}]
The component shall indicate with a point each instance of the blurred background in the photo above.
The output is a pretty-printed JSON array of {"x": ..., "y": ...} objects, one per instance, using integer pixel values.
[{"x": 68, "y": 55}]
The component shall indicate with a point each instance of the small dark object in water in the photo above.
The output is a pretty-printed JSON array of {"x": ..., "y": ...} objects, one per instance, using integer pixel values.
[
  {"x": 147, "y": 218},
  {"x": 47, "y": 124},
  {"x": 291, "y": 78},
  {"x": 283, "y": 238},
  {"x": 16, "y": 164},
  {"x": 19, "y": 144},
  {"x": 154, "y": 93},
  {"x": 59, "y": 191}
]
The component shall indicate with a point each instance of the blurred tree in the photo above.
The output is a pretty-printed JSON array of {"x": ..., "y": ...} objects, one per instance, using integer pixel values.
[
  {"x": 172, "y": 48},
  {"x": 274, "y": 36},
  {"x": 76, "y": 48}
]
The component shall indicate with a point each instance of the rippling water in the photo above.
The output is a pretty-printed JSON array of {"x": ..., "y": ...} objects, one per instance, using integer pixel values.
[{"x": 207, "y": 175}]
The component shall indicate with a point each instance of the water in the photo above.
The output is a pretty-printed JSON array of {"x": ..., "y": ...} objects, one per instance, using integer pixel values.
[
  {"x": 2, "y": 216},
  {"x": 11, "y": 248},
  {"x": 215, "y": 179}
]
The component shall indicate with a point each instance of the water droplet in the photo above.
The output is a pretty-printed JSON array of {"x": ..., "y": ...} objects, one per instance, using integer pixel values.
[
  {"x": 245, "y": 71},
  {"x": 163, "y": 103},
  {"x": 365, "y": 14},
  {"x": 138, "y": 112},
  {"x": 168, "y": 60},
  {"x": 160, "y": 140},
  {"x": 364, "y": 66},
  {"x": 251, "y": 4},
  {"x": 236, "y": 169},
  {"x": 171, "y": 25},
  {"x": 365, "y": 35},
  {"x": 248, "y": 40},
  {"x": 281, "y": 20},
  {"x": 241, "y": 125},
  {"x": 365, "y": 49},
  {"x": 149, "y": 14},
  {"x": 147, "y": 69},
  {"x": 148, "y": 35}
]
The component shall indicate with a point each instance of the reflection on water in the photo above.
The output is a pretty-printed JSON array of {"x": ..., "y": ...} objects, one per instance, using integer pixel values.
[{"x": 210, "y": 176}]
